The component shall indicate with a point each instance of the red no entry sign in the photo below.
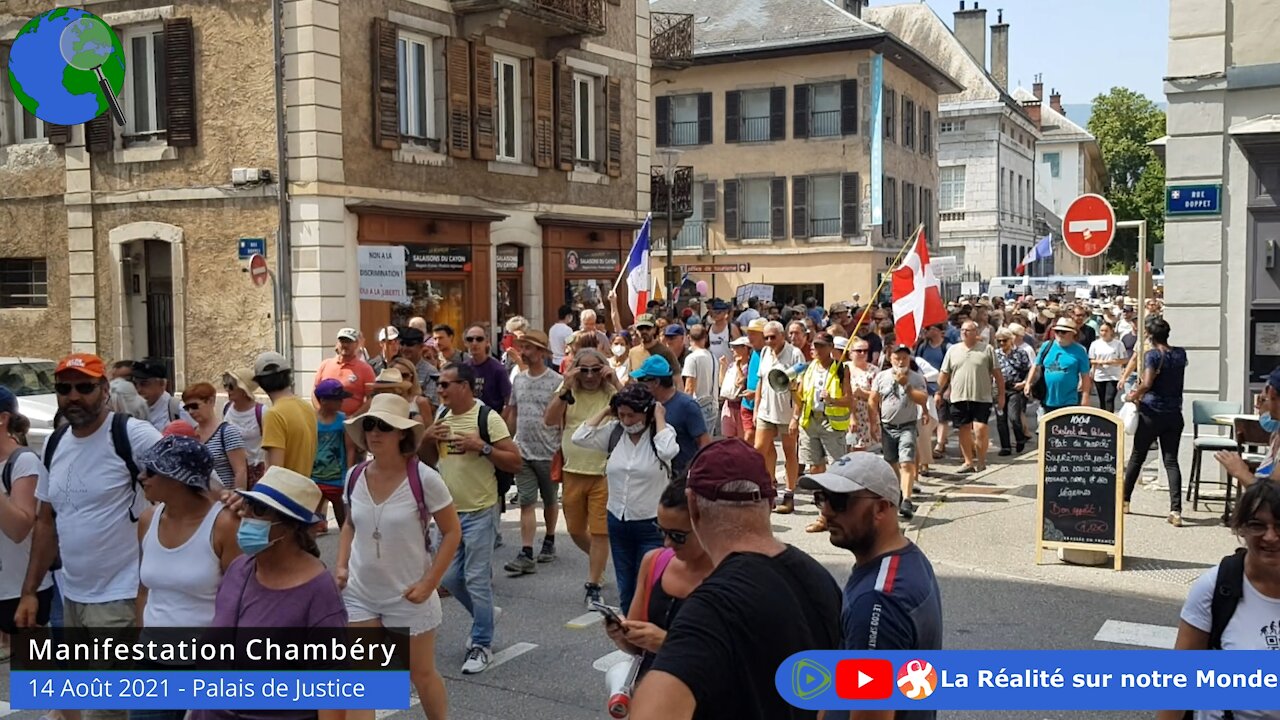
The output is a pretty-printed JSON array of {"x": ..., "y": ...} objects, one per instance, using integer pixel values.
[
  {"x": 1089, "y": 225},
  {"x": 258, "y": 270}
]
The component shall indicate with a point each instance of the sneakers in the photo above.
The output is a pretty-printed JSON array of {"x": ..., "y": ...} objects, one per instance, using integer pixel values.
[
  {"x": 1175, "y": 519},
  {"x": 787, "y": 506},
  {"x": 593, "y": 594},
  {"x": 522, "y": 565},
  {"x": 478, "y": 659},
  {"x": 907, "y": 509},
  {"x": 548, "y": 552}
]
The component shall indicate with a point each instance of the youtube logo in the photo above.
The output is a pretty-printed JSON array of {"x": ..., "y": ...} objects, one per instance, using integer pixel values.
[{"x": 868, "y": 679}]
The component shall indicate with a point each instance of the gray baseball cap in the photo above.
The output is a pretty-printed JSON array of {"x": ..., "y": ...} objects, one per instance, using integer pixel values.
[
  {"x": 270, "y": 362},
  {"x": 857, "y": 471}
]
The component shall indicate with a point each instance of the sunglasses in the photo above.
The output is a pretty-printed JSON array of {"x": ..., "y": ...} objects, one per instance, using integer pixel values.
[
  {"x": 474, "y": 339},
  {"x": 772, "y": 337},
  {"x": 679, "y": 537},
  {"x": 191, "y": 407},
  {"x": 1257, "y": 528},
  {"x": 444, "y": 384},
  {"x": 372, "y": 423},
  {"x": 589, "y": 369},
  {"x": 83, "y": 388},
  {"x": 862, "y": 351},
  {"x": 839, "y": 502}
]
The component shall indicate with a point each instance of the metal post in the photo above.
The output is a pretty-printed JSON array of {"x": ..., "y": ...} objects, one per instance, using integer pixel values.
[
  {"x": 1142, "y": 285},
  {"x": 670, "y": 174}
]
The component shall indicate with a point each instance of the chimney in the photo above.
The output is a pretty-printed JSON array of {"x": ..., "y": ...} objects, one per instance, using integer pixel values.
[
  {"x": 1000, "y": 51},
  {"x": 1055, "y": 101},
  {"x": 1032, "y": 108},
  {"x": 971, "y": 31},
  {"x": 854, "y": 7},
  {"x": 1037, "y": 88}
]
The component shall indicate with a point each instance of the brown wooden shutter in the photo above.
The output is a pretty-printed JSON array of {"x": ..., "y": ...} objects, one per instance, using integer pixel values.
[
  {"x": 709, "y": 201},
  {"x": 457, "y": 57},
  {"x": 484, "y": 136},
  {"x": 731, "y": 231},
  {"x": 800, "y": 116},
  {"x": 564, "y": 114},
  {"x": 613, "y": 130},
  {"x": 848, "y": 107},
  {"x": 57, "y": 134},
  {"x": 778, "y": 208},
  {"x": 778, "y": 113},
  {"x": 386, "y": 86},
  {"x": 180, "y": 81},
  {"x": 98, "y": 133},
  {"x": 732, "y": 113},
  {"x": 704, "y": 118},
  {"x": 662, "y": 117},
  {"x": 850, "y": 213},
  {"x": 544, "y": 113},
  {"x": 800, "y": 206}
]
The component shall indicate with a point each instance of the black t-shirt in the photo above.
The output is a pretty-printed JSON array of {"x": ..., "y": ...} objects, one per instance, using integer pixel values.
[{"x": 736, "y": 628}]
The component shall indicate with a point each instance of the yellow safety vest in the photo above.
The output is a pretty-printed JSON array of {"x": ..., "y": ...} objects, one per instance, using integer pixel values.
[{"x": 837, "y": 417}]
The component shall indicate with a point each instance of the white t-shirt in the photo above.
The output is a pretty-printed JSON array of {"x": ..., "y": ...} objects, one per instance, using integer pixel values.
[
  {"x": 1103, "y": 350},
  {"x": 246, "y": 422},
  {"x": 89, "y": 488},
  {"x": 160, "y": 414},
  {"x": 558, "y": 336},
  {"x": 15, "y": 556},
  {"x": 701, "y": 365},
  {"x": 718, "y": 342},
  {"x": 404, "y": 556},
  {"x": 774, "y": 406},
  {"x": 1254, "y": 626}
]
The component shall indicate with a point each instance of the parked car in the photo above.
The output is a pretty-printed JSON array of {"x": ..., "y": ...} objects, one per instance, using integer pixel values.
[{"x": 31, "y": 380}]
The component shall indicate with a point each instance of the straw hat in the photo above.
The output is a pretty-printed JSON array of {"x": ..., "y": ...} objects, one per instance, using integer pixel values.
[
  {"x": 288, "y": 493},
  {"x": 1065, "y": 323},
  {"x": 391, "y": 409},
  {"x": 389, "y": 379},
  {"x": 241, "y": 378}
]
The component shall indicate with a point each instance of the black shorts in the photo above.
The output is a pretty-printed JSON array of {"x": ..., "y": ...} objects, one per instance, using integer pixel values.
[
  {"x": 8, "y": 608},
  {"x": 966, "y": 413}
]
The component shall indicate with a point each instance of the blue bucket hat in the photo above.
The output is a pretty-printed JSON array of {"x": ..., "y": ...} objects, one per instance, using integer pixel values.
[
  {"x": 655, "y": 366},
  {"x": 180, "y": 458}
]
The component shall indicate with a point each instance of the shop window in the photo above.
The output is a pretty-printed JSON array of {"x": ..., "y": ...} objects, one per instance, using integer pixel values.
[
  {"x": 439, "y": 301},
  {"x": 587, "y": 294}
]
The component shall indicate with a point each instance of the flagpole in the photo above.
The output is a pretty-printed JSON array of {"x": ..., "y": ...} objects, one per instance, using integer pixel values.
[{"x": 893, "y": 266}]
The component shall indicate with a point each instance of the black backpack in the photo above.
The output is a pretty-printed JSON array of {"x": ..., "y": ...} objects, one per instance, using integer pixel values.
[
  {"x": 7, "y": 473},
  {"x": 119, "y": 440},
  {"x": 1227, "y": 591},
  {"x": 505, "y": 479}
]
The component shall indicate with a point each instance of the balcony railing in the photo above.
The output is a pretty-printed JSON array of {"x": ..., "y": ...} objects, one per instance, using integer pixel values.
[
  {"x": 824, "y": 123},
  {"x": 824, "y": 227},
  {"x": 754, "y": 129},
  {"x": 681, "y": 192},
  {"x": 684, "y": 133},
  {"x": 754, "y": 229},
  {"x": 672, "y": 39},
  {"x": 563, "y": 17},
  {"x": 693, "y": 236}
]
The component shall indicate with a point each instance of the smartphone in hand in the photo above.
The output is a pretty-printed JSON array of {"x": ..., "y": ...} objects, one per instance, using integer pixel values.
[{"x": 611, "y": 614}]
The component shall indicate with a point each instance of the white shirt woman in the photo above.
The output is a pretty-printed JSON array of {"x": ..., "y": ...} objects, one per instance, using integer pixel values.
[{"x": 1108, "y": 357}]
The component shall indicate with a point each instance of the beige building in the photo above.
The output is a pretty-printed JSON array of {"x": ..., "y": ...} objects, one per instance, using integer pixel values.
[
  {"x": 503, "y": 145},
  {"x": 773, "y": 118}
]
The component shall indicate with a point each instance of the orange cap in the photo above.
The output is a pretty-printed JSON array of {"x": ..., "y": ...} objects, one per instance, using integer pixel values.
[{"x": 84, "y": 363}]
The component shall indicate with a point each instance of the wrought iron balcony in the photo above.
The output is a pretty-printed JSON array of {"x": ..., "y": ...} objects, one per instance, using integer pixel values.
[
  {"x": 693, "y": 236},
  {"x": 563, "y": 17},
  {"x": 671, "y": 39},
  {"x": 681, "y": 192}
]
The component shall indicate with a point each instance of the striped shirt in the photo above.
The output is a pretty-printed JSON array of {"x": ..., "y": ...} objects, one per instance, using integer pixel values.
[{"x": 225, "y": 439}]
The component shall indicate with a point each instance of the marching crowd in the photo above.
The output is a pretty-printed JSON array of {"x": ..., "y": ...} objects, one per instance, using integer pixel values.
[{"x": 656, "y": 443}]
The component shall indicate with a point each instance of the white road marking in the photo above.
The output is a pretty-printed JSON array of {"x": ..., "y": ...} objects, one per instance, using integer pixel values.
[
  {"x": 604, "y": 663},
  {"x": 584, "y": 621},
  {"x": 1120, "y": 632},
  {"x": 510, "y": 653}
]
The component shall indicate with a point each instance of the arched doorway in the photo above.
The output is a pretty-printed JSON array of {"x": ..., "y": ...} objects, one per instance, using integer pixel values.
[{"x": 149, "y": 276}]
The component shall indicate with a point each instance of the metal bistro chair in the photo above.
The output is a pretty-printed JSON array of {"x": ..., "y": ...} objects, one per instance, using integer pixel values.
[
  {"x": 1254, "y": 443},
  {"x": 1202, "y": 412}
]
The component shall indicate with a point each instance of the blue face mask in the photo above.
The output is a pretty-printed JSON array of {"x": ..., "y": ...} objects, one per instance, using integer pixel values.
[
  {"x": 254, "y": 535},
  {"x": 1269, "y": 423}
]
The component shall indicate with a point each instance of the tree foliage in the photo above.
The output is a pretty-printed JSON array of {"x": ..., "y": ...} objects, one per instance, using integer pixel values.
[{"x": 1123, "y": 122}]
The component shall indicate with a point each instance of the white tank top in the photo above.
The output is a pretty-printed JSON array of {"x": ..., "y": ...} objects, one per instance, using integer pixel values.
[
  {"x": 14, "y": 557},
  {"x": 718, "y": 343},
  {"x": 181, "y": 582}
]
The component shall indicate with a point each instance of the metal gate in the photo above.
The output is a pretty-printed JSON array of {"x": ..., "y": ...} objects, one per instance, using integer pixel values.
[
  {"x": 952, "y": 287},
  {"x": 160, "y": 323}
]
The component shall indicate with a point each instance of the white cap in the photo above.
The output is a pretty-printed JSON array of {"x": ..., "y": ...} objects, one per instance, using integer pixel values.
[
  {"x": 347, "y": 333},
  {"x": 741, "y": 341},
  {"x": 857, "y": 471},
  {"x": 840, "y": 342},
  {"x": 389, "y": 332}
]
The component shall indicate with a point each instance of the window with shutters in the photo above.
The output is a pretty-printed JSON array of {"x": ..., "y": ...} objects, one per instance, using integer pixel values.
[
  {"x": 585, "y": 112},
  {"x": 908, "y": 208},
  {"x": 824, "y": 110},
  {"x": 889, "y": 209},
  {"x": 890, "y": 102},
  {"x": 416, "y": 71},
  {"x": 24, "y": 283},
  {"x": 684, "y": 119},
  {"x": 824, "y": 206},
  {"x": 908, "y": 123},
  {"x": 951, "y": 188},
  {"x": 143, "y": 96},
  {"x": 926, "y": 133},
  {"x": 507, "y": 98},
  {"x": 755, "y": 207},
  {"x": 755, "y": 117},
  {"x": 16, "y": 124}
]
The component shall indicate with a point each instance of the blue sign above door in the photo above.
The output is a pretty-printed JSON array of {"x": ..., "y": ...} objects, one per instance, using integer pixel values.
[{"x": 1193, "y": 200}]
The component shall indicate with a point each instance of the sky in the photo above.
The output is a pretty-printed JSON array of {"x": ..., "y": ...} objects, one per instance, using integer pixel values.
[{"x": 1082, "y": 47}]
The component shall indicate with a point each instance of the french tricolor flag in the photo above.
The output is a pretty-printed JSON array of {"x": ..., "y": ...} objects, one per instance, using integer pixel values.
[{"x": 637, "y": 271}]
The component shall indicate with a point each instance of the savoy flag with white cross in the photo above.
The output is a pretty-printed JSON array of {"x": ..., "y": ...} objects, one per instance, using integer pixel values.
[{"x": 917, "y": 295}]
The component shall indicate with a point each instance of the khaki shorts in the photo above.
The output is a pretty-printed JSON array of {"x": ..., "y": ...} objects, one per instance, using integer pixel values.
[
  {"x": 819, "y": 444},
  {"x": 116, "y": 614},
  {"x": 779, "y": 428},
  {"x": 585, "y": 499}
]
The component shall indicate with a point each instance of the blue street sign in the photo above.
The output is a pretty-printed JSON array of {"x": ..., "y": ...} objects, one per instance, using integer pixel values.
[
  {"x": 252, "y": 246},
  {"x": 1193, "y": 200}
]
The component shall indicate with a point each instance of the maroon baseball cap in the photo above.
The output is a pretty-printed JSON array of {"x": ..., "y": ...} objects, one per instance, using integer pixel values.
[{"x": 726, "y": 461}]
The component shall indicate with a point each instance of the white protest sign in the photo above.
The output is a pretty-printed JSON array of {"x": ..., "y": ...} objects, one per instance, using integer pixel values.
[{"x": 382, "y": 273}]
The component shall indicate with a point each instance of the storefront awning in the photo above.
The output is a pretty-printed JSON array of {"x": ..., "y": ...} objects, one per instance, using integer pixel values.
[
  {"x": 426, "y": 210},
  {"x": 597, "y": 222}
]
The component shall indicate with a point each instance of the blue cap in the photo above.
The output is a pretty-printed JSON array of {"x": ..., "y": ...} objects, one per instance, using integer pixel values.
[
  {"x": 719, "y": 305},
  {"x": 1273, "y": 380},
  {"x": 655, "y": 366},
  {"x": 8, "y": 401},
  {"x": 674, "y": 329}
]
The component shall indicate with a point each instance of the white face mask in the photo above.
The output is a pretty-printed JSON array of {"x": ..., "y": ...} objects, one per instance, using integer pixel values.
[
  {"x": 635, "y": 429},
  {"x": 619, "y": 350}
]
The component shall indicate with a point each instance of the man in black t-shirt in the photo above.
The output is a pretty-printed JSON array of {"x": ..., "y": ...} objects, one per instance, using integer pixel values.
[{"x": 764, "y": 602}]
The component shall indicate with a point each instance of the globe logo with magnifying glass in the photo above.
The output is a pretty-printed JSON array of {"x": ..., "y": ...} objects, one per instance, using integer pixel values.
[{"x": 66, "y": 67}]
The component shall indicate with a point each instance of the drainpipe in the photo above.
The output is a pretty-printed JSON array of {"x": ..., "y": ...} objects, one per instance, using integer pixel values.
[{"x": 284, "y": 256}]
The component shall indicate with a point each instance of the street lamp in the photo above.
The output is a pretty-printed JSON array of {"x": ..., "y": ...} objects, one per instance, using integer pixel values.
[{"x": 668, "y": 157}]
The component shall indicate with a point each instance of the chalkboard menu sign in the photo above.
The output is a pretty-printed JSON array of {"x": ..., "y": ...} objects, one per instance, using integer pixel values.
[{"x": 1081, "y": 485}]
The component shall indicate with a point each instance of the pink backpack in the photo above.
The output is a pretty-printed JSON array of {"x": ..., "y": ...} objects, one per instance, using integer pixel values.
[{"x": 415, "y": 486}]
